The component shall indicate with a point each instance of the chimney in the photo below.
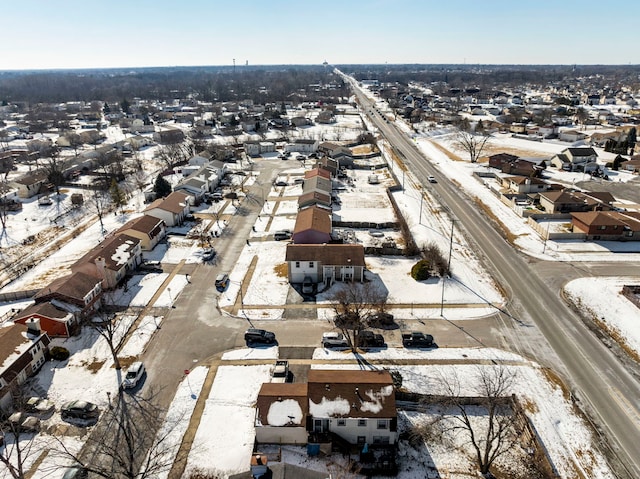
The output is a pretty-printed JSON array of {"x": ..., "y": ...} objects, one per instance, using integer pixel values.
[
  {"x": 33, "y": 326},
  {"x": 101, "y": 266}
]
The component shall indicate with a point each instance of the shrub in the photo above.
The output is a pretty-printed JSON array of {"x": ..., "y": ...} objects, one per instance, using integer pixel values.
[
  {"x": 421, "y": 270},
  {"x": 59, "y": 353}
]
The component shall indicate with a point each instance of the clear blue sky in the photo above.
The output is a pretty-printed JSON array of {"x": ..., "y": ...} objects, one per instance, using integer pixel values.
[{"x": 138, "y": 33}]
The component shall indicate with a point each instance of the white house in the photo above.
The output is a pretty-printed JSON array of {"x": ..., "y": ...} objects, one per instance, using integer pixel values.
[{"x": 171, "y": 209}]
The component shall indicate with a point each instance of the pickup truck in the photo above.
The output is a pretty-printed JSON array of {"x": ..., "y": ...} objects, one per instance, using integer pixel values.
[
  {"x": 280, "y": 372},
  {"x": 416, "y": 339},
  {"x": 369, "y": 339}
]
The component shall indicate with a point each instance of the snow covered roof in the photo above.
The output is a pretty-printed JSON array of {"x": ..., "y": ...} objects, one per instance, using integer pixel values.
[
  {"x": 115, "y": 250},
  {"x": 282, "y": 404},
  {"x": 351, "y": 393}
]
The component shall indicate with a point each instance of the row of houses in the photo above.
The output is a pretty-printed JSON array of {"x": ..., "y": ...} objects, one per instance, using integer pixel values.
[{"x": 60, "y": 307}]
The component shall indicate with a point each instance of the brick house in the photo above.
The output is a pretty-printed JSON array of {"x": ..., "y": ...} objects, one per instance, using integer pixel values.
[
  {"x": 313, "y": 226},
  {"x": 607, "y": 225}
]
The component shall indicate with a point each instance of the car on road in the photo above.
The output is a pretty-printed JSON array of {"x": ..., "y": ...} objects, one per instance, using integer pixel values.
[
  {"x": 307, "y": 285},
  {"x": 334, "y": 339},
  {"x": 281, "y": 183},
  {"x": 208, "y": 254},
  {"x": 222, "y": 282},
  {"x": 254, "y": 335},
  {"x": 79, "y": 410},
  {"x": 133, "y": 375},
  {"x": 416, "y": 339},
  {"x": 432, "y": 179},
  {"x": 282, "y": 235}
]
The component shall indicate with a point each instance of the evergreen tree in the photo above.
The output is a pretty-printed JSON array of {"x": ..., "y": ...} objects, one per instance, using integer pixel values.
[
  {"x": 117, "y": 195},
  {"x": 161, "y": 187},
  {"x": 125, "y": 105}
]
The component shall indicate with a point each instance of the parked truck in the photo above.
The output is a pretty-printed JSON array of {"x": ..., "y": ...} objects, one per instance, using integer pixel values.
[
  {"x": 416, "y": 339},
  {"x": 280, "y": 372},
  {"x": 369, "y": 339}
]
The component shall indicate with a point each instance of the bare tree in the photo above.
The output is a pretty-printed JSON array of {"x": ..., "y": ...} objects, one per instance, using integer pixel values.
[
  {"x": 53, "y": 166},
  {"x": 355, "y": 305},
  {"x": 487, "y": 420},
  {"x": 99, "y": 202},
  {"x": 133, "y": 440},
  {"x": 472, "y": 142},
  {"x": 107, "y": 325},
  {"x": 19, "y": 445}
]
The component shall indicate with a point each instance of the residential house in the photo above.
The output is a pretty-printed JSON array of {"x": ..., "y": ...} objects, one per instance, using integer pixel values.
[
  {"x": 171, "y": 209},
  {"x": 257, "y": 148},
  {"x": 23, "y": 351},
  {"x": 358, "y": 406},
  {"x": 169, "y": 136},
  {"x": 138, "y": 142},
  {"x": 302, "y": 146},
  {"x": 567, "y": 201},
  {"x": 500, "y": 159},
  {"x": 148, "y": 229},
  {"x": 55, "y": 321},
  {"x": 30, "y": 184},
  {"x": 341, "y": 154},
  {"x": 313, "y": 226},
  {"x": 531, "y": 167},
  {"x": 194, "y": 185},
  {"x": 325, "y": 117},
  {"x": 571, "y": 135},
  {"x": 524, "y": 184},
  {"x": 632, "y": 165},
  {"x": 281, "y": 413},
  {"x": 112, "y": 260},
  {"x": 329, "y": 164},
  {"x": 299, "y": 121},
  {"x": 77, "y": 292},
  {"x": 314, "y": 198},
  {"x": 576, "y": 159},
  {"x": 319, "y": 182},
  {"x": 607, "y": 225},
  {"x": 325, "y": 263}
]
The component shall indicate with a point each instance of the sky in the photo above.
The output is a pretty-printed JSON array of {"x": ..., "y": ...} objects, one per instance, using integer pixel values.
[{"x": 45, "y": 34}]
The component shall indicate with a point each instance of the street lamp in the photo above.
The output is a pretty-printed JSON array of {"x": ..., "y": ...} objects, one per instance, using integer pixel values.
[{"x": 109, "y": 399}]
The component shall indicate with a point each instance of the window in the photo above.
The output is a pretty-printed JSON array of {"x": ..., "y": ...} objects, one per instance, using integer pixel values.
[
  {"x": 341, "y": 422},
  {"x": 380, "y": 439},
  {"x": 602, "y": 227},
  {"x": 297, "y": 264},
  {"x": 362, "y": 439},
  {"x": 362, "y": 422},
  {"x": 310, "y": 264},
  {"x": 382, "y": 424}
]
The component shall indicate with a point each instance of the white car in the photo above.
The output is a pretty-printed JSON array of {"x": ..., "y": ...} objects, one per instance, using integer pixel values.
[
  {"x": 432, "y": 179},
  {"x": 134, "y": 375},
  {"x": 334, "y": 340}
]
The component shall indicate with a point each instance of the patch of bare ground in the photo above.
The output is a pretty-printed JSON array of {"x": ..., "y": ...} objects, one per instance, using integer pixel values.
[
  {"x": 554, "y": 378},
  {"x": 450, "y": 155},
  {"x": 127, "y": 361},
  {"x": 281, "y": 270},
  {"x": 363, "y": 149},
  {"x": 615, "y": 334},
  {"x": 494, "y": 149},
  {"x": 94, "y": 366},
  {"x": 528, "y": 405}
]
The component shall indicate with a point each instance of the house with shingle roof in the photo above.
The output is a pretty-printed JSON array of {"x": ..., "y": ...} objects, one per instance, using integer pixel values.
[
  {"x": 313, "y": 226},
  {"x": 576, "y": 159},
  {"x": 23, "y": 351},
  {"x": 314, "y": 198},
  {"x": 171, "y": 209},
  {"x": 55, "y": 321},
  {"x": 607, "y": 225},
  {"x": 567, "y": 201},
  {"x": 112, "y": 260},
  {"x": 148, "y": 229},
  {"x": 325, "y": 263},
  {"x": 524, "y": 184},
  {"x": 356, "y": 405},
  {"x": 81, "y": 291}
]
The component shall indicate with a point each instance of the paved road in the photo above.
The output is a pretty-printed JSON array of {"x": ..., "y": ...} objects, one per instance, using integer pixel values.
[{"x": 603, "y": 386}]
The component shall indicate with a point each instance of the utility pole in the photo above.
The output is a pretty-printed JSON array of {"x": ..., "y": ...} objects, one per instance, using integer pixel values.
[{"x": 444, "y": 279}]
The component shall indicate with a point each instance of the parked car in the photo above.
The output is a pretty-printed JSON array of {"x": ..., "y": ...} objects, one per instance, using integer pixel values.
[
  {"x": 254, "y": 335},
  {"x": 222, "y": 282},
  {"x": 282, "y": 235},
  {"x": 281, "y": 183},
  {"x": 208, "y": 254},
  {"x": 416, "y": 339},
  {"x": 381, "y": 319},
  {"x": 37, "y": 405},
  {"x": 80, "y": 410},
  {"x": 75, "y": 472},
  {"x": 334, "y": 340},
  {"x": 367, "y": 339},
  {"x": 217, "y": 196},
  {"x": 134, "y": 375},
  {"x": 307, "y": 285},
  {"x": 280, "y": 372},
  {"x": 21, "y": 422}
]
